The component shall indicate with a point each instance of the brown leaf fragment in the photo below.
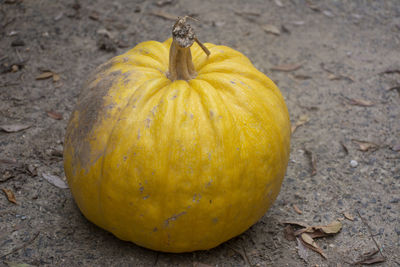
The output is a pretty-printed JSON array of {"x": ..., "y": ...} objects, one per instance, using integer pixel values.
[
  {"x": 301, "y": 224},
  {"x": 269, "y": 28},
  {"x": 396, "y": 148},
  {"x": 55, "y": 180},
  {"x": 10, "y": 195},
  {"x": 289, "y": 233},
  {"x": 163, "y": 15},
  {"x": 348, "y": 216},
  {"x": 200, "y": 264},
  {"x": 12, "y": 128},
  {"x": 278, "y": 3},
  {"x": 311, "y": 244},
  {"x": 317, "y": 234},
  {"x": 297, "y": 210},
  {"x": 365, "y": 145},
  {"x": 313, "y": 6},
  {"x": 313, "y": 161},
  {"x": 302, "y": 77},
  {"x": 376, "y": 258},
  {"x": 94, "y": 15},
  {"x": 346, "y": 150},
  {"x": 391, "y": 71},
  {"x": 301, "y": 250},
  {"x": 44, "y": 75},
  {"x": 359, "y": 102},
  {"x": 303, "y": 119},
  {"x": 54, "y": 115},
  {"x": 56, "y": 77},
  {"x": 287, "y": 67},
  {"x": 332, "y": 228}
]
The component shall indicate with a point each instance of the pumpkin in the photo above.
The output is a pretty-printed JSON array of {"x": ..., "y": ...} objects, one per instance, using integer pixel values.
[{"x": 176, "y": 149}]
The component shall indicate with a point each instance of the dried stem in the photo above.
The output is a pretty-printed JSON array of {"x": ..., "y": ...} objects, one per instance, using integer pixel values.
[{"x": 180, "y": 58}]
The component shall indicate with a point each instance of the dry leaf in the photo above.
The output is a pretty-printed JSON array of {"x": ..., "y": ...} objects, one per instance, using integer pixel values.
[
  {"x": 346, "y": 151},
  {"x": 289, "y": 233},
  {"x": 278, "y": 3},
  {"x": 45, "y": 75},
  {"x": 56, "y": 77},
  {"x": 372, "y": 259},
  {"x": 332, "y": 228},
  {"x": 301, "y": 121},
  {"x": 12, "y": 128},
  {"x": 164, "y": 15},
  {"x": 55, "y": 180},
  {"x": 54, "y": 115},
  {"x": 365, "y": 145},
  {"x": 297, "y": 210},
  {"x": 287, "y": 67},
  {"x": 200, "y": 264},
  {"x": 271, "y": 29},
  {"x": 313, "y": 162},
  {"x": 301, "y": 250},
  {"x": 396, "y": 148},
  {"x": 10, "y": 195},
  {"x": 301, "y": 224},
  {"x": 302, "y": 77},
  {"x": 311, "y": 244},
  {"x": 359, "y": 102},
  {"x": 348, "y": 216}
]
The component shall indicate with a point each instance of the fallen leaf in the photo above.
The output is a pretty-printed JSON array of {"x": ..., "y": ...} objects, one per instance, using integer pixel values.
[
  {"x": 164, "y": 15},
  {"x": 301, "y": 224},
  {"x": 287, "y": 67},
  {"x": 348, "y": 216},
  {"x": 301, "y": 121},
  {"x": 162, "y": 3},
  {"x": 94, "y": 15},
  {"x": 200, "y": 264},
  {"x": 372, "y": 259},
  {"x": 313, "y": 162},
  {"x": 365, "y": 145},
  {"x": 289, "y": 233},
  {"x": 55, "y": 180},
  {"x": 311, "y": 244},
  {"x": 332, "y": 228},
  {"x": 54, "y": 115},
  {"x": 346, "y": 151},
  {"x": 12, "y": 128},
  {"x": 391, "y": 71},
  {"x": 328, "y": 13},
  {"x": 296, "y": 209},
  {"x": 278, "y": 3},
  {"x": 56, "y": 77},
  {"x": 16, "y": 264},
  {"x": 359, "y": 102},
  {"x": 10, "y": 195},
  {"x": 313, "y": 6},
  {"x": 271, "y": 29},
  {"x": 301, "y": 250},
  {"x": 44, "y": 75},
  {"x": 302, "y": 77},
  {"x": 396, "y": 148}
]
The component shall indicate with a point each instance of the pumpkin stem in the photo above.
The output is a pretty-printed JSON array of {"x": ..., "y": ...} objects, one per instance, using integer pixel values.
[{"x": 180, "y": 58}]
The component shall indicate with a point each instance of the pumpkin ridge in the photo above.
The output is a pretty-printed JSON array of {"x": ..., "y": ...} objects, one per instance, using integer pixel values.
[{"x": 110, "y": 135}]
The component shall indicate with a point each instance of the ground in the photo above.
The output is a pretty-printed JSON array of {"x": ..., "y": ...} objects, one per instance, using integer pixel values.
[{"x": 336, "y": 63}]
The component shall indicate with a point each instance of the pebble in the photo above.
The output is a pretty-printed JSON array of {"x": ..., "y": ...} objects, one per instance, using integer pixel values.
[{"x": 353, "y": 163}]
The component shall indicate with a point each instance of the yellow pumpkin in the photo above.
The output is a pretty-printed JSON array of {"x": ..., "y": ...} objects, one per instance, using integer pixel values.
[{"x": 176, "y": 152}]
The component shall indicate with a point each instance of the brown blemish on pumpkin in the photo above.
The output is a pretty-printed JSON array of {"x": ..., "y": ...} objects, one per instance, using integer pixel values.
[
  {"x": 88, "y": 112},
  {"x": 173, "y": 218}
]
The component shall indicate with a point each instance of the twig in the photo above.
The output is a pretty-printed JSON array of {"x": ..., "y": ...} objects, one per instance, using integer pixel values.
[
  {"x": 22, "y": 246},
  {"x": 156, "y": 261},
  {"x": 370, "y": 233},
  {"x": 242, "y": 254}
]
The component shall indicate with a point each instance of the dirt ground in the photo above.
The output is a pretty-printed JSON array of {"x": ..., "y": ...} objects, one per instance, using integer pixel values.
[{"x": 336, "y": 62}]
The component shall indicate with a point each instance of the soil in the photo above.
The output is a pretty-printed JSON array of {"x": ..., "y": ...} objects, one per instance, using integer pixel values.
[{"x": 346, "y": 89}]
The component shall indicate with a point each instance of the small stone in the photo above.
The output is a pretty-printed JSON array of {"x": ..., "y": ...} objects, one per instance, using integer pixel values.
[{"x": 353, "y": 163}]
